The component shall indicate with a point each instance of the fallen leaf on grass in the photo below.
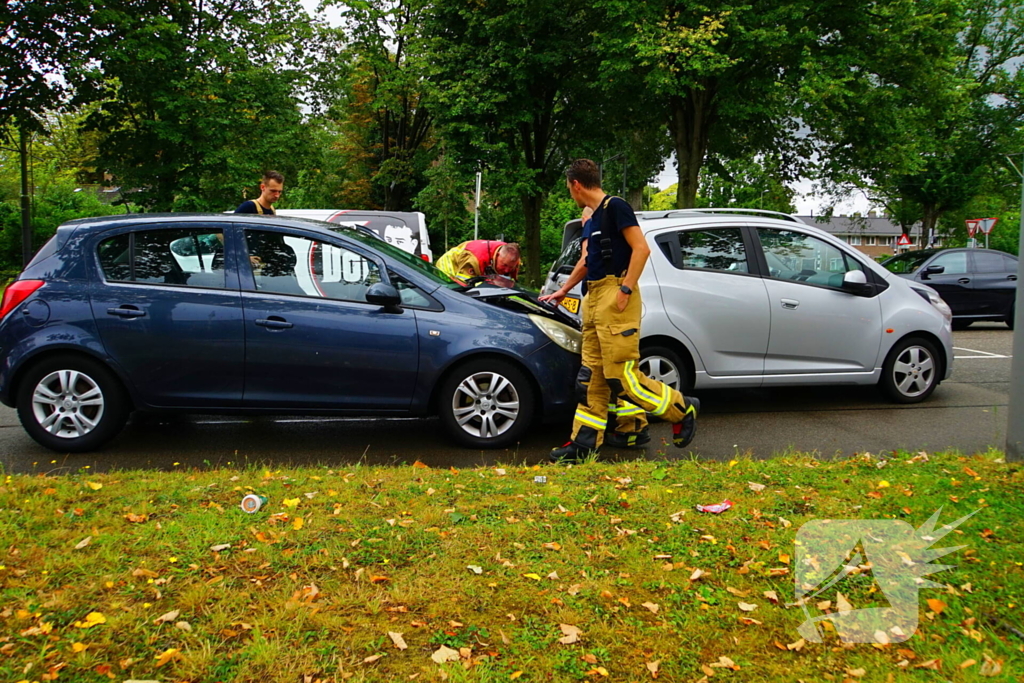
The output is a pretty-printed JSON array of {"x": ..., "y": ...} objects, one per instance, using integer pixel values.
[
  {"x": 753, "y": 486},
  {"x": 552, "y": 546},
  {"x": 84, "y": 542},
  {"x": 219, "y": 548},
  {"x": 290, "y": 502},
  {"x": 572, "y": 634},
  {"x": 535, "y": 577},
  {"x": 136, "y": 519},
  {"x": 697, "y": 573},
  {"x": 147, "y": 573},
  {"x": 183, "y": 626},
  {"x": 445, "y": 654},
  {"x": 167, "y": 655},
  {"x": 967, "y": 663},
  {"x": 725, "y": 663},
  {"x": 297, "y": 523},
  {"x": 91, "y": 619},
  {"x": 933, "y": 664},
  {"x": 170, "y": 616},
  {"x": 842, "y": 604},
  {"x": 653, "y": 667},
  {"x": 797, "y": 646},
  {"x": 398, "y": 640},
  {"x": 991, "y": 667},
  {"x": 737, "y": 592},
  {"x": 746, "y": 606},
  {"x": 475, "y": 569},
  {"x": 772, "y": 597},
  {"x": 936, "y": 605},
  {"x": 94, "y": 485},
  {"x": 372, "y": 658},
  {"x": 651, "y": 606}
]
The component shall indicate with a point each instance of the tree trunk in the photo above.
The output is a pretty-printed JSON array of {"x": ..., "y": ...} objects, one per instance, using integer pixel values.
[
  {"x": 636, "y": 198},
  {"x": 689, "y": 123},
  {"x": 931, "y": 219},
  {"x": 532, "y": 204}
]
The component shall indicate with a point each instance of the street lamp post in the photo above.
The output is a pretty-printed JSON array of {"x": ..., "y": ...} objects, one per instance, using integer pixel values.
[{"x": 1015, "y": 413}]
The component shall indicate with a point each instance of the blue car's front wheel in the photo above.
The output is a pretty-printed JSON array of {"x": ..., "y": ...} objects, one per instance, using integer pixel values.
[{"x": 486, "y": 403}]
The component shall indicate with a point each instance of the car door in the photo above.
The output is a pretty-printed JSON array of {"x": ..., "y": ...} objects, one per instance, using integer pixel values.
[
  {"x": 311, "y": 338},
  {"x": 955, "y": 283},
  {"x": 994, "y": 282},
  {"x": 169, "y": 313},
  {"x": 711, "y": 296},
  {"x": 816, "y": 327}
]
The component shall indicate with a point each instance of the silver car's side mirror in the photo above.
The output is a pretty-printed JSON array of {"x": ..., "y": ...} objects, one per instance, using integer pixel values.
[{"x": 856, "y": 282}]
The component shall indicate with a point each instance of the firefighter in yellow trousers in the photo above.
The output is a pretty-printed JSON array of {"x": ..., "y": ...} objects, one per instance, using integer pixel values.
[{"x": 610, "y": 382}]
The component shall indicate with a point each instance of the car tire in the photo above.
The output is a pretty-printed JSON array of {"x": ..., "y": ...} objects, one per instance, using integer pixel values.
[
  {"x": 71, "y": 404},
  {"x": 1009, "y": 318},
  {"x": 665, "y": 365},
  {"x": 911, "y": 370},
  {"x": 486, "y": 403}
]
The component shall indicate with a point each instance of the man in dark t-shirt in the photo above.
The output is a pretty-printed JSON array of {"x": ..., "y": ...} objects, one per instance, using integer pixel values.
[
  {"x": 271, "y": 188},
  {"x": 614, "y": 254}
]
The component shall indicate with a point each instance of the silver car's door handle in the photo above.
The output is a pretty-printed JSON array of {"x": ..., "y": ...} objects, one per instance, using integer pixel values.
[{"x": 791, "y": 304}]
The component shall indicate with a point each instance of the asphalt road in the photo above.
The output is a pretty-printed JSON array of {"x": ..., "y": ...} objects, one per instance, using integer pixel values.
[{"x": 967, "y": 412}]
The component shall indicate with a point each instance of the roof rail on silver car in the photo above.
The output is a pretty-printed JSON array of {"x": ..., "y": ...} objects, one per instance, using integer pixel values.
[{"x": 752, "y": 212}]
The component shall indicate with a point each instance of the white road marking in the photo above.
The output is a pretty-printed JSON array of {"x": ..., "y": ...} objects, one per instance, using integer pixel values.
[{"x": 985, "y": 354}]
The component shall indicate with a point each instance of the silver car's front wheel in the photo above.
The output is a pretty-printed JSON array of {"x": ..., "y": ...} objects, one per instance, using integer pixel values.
[
  {"x": 911, "y": 371},
  {"x": 665, "y": 365},
  {"x": 68, "y": 404},
  {"x": 487, "y": 403}
]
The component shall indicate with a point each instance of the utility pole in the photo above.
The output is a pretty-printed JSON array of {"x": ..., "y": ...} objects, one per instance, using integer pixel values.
[
  {"x": 476, "y": 209},
  {"x": 26, "y": 204},
  {"x": 1015, "y": 413}
]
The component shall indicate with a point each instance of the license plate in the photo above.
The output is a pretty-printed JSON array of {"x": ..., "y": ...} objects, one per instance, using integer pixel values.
[{"x": 572, "y": 304}]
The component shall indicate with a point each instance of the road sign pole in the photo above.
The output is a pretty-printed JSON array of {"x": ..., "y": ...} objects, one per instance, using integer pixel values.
[{"x": 1015, "y": 412}]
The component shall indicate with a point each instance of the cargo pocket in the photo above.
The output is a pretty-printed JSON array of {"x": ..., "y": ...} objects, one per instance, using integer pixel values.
[{"x": 624, "y": 340}]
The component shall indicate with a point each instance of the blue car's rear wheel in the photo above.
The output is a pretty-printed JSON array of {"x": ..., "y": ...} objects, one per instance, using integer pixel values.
[
  {"x": 71, "y": 404},
  {"x": 486, "y": 403}
]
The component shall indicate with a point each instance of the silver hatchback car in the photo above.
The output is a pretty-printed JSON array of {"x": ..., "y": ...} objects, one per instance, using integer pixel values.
[{"x": 746, "y": 298}]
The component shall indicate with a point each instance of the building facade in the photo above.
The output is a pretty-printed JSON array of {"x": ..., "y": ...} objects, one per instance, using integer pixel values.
[{"x": 874, "y": 235}]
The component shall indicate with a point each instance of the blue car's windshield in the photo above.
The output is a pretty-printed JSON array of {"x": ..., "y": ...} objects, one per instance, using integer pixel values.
[{"x": 421, "y": 266}]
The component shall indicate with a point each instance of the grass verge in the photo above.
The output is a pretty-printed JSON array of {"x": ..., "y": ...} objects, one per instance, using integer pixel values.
[{"x": 604, "y": 572}]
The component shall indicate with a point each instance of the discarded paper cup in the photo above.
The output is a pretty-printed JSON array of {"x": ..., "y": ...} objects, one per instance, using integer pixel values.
[{"x": 252, "y": 503}]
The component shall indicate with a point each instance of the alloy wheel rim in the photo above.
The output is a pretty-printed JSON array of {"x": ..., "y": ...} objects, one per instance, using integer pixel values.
[
  {"x": 914, "y": 371},
  {"x": 661, "y": 369},
  {"x": 68, "y": 404},
  {"x": 486, "y": 405}
]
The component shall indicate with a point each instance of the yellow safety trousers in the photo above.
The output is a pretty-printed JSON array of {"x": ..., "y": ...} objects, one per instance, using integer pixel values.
[{"x": 610, "y": 374}]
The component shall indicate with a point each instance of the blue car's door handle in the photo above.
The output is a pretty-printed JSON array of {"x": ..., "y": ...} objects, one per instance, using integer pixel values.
[
  {"x": 274, "y": 323},
  {"x": 126, "y": 312}
]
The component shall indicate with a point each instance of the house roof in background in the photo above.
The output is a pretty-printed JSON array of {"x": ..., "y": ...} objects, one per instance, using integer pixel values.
[{"x": 859, "y": 225}]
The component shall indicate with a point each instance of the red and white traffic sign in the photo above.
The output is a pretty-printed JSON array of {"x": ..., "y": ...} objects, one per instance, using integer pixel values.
[
  {"x": 972, "y": 226},
  {"x": 903, "y": 241},
  {"x": 986, "y": 224}
]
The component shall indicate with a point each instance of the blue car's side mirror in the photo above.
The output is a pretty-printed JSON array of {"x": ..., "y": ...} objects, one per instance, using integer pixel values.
[{"x": 386, "y": 296}]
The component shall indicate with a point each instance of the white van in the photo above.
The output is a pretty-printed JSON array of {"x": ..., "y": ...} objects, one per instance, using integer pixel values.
[{"x": 406, "y": 230}]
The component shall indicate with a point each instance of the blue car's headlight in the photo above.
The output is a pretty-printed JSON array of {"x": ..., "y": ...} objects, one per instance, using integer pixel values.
[{"x": 563, "y": 335}]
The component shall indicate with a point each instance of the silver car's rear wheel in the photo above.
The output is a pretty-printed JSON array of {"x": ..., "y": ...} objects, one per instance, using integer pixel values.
[{"x": 911, "y": 371}]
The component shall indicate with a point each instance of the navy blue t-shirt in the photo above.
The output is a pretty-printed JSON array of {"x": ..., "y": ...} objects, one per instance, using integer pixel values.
[
  {"x": 610, "y": 219},
  {"x": 250, "y": 207}
]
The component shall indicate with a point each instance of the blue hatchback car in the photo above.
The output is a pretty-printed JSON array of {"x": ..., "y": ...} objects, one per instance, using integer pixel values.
[{"x": 258, "y": 314}]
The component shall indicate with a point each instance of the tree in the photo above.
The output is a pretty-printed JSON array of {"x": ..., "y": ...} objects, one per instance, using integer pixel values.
[
  {"x": 199, "y": 98},
  {"x": 387, "y": 117}
]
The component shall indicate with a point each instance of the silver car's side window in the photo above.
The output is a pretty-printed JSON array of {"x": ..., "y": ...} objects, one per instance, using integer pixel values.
[
  {"x": 802, "y": 258},
  {"x": 718, "y": 249}
]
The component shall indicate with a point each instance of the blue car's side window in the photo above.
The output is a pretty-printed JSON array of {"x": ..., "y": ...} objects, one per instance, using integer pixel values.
[
  {"x": 192, "y": 257},
  {"x": 290, "y": 264}
]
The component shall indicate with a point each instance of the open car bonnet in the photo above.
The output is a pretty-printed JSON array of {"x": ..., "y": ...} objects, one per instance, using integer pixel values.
[{"x": 522, "y": 301}]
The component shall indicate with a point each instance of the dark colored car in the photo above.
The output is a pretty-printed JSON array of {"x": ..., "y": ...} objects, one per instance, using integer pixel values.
[
  {"x": 978, "y": 284},
  {"x": 236, "y": 314}
]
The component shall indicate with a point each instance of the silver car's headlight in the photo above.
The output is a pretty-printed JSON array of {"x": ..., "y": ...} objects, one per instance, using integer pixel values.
[
  {"x": 936, "y": 301},
  {"x": 563, "y": 335}
]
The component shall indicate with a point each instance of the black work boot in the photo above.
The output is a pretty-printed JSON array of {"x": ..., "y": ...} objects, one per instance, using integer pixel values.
[
  {"x": 683, "y": 432},
  {"x": 630, "y": 440},
  {"x": 570, "y": 452}
]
